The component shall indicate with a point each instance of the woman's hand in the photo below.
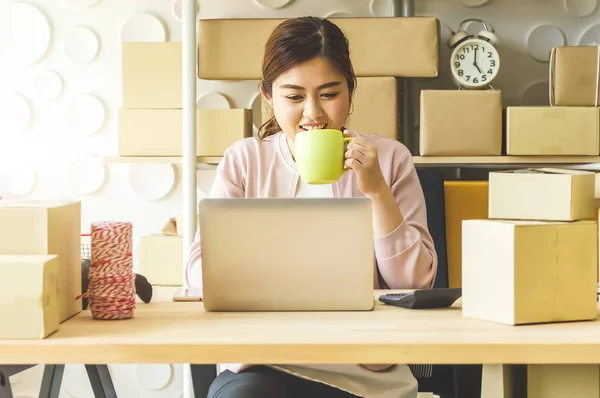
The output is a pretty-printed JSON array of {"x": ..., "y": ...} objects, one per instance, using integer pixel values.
[{"x": 361, "y": 156}]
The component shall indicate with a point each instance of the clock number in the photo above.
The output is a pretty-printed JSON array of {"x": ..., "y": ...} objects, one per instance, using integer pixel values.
[
  {"x": 492, "y": 63},
  {"x": 457, "y": 64},
  {"x": 483, "y": 49},
  {"x": 489, "y": 54},
  {"x": 465, "y": 50},
  {"x": 483, "y": 78},
  {"x": 467, "y": 77},
  {"x": 490, "y": 71},
  {"x": 460, "y": 72},
  {"x": 460, "y": 56},
  {"x": 474, "y": 46},
  {"x": 475, "y": 80}
]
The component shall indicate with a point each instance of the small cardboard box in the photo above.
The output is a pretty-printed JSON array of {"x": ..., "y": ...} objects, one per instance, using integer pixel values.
[
  {"x": 574, "y": 76},
  {"x": 543, "y": 194},
  {"x": 520, "y": 272},
  {"x": 375, "y": 107},
  {"x": 161, "y": 259},
  {"x": 546, "y": 130},
  {"x": 403, "y": 47},
  {"x": 151, "y": 75},
  {"x": 47, "y": 228},
  {"x": 29, "y": 296},
  {"x": 157, "y": 132},
  {"x": 461, "y": 123}
]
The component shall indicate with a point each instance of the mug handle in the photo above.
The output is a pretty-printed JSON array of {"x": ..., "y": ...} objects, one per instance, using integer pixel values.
[{"x": 346, "y": 140}]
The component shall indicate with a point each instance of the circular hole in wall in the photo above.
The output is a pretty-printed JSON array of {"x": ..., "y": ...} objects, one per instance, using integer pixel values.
[
  {"x": 152, "y": 181},
  {"x": 29, "y": 34},
  {"x": 86, "y": 114},
  {"x": 273, "y": 4},
  {"x": 144, "y": 28},
  {"x": 590, "y": 37},
  {"x": 381, "y": 8},
  {"x": 48, "y": 85},
  {"x": 536, "y": 94},
  {"x": 15, "y": 113},
  {"x": 153, "y": 377},
  {"x": 81, "y": 45},
  {"x": 85, "y": 175},
  {"x": 82, "y": 3},
  {"x": 580, "y": 8},
  {"x": 213, "y": 100},
  {"x": 20, "y": 181},
  {"x": 256, "y": 106},
  {"x": 541, "y": 39}
]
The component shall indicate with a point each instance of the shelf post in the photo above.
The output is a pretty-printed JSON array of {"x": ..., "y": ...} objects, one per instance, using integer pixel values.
[
  {"x": 188, "y": 54},
  {"x": 406, "y": 8}
]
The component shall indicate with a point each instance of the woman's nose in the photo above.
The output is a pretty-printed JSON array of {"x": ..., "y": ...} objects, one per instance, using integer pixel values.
[{"x": 313, "y": 109}]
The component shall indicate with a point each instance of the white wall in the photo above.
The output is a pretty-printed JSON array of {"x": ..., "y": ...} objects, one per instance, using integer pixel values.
[{"x": 60, "y": 91}]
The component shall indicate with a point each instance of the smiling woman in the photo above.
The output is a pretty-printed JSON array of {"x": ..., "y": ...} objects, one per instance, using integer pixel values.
[{"x": 308, "y": 81}]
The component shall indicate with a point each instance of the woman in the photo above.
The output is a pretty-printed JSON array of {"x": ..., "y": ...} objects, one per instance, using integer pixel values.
[{"x": 308, "y": 82}]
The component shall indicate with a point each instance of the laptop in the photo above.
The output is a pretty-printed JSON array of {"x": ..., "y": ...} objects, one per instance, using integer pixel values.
[{"x": 301, "y": 254}]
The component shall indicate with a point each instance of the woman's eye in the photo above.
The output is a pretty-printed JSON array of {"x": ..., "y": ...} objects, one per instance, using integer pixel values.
[
  {"x": 330, "y": 95},
  {"x": 294, "y": 97}
]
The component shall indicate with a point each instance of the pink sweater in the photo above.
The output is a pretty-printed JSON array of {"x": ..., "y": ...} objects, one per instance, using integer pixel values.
[{"x": 405, "y": 258}]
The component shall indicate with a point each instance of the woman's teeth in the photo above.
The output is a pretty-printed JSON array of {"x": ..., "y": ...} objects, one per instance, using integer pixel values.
[{"x": 320, "y": 126}]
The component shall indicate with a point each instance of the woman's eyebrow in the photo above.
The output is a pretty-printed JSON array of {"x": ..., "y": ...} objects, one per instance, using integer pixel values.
[{"x": 322, "y": 86}]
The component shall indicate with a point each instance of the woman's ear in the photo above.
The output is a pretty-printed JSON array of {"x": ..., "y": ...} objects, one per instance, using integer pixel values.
[{"x": 266, "y": 97}]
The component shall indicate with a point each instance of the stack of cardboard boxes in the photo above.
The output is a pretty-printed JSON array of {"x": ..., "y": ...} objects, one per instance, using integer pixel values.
[
  {"x": 150, "y": 120},
  {"x": 535, "y": 259},
  {"x": 570, "y": 124},
  {"x": 40, "y": 267}
]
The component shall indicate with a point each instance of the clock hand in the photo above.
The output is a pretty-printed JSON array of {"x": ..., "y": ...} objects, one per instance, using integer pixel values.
[{"x": 475, "y": 61}]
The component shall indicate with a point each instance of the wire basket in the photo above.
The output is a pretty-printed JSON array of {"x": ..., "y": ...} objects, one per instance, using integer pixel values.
[{"x": 86, "y": 247}]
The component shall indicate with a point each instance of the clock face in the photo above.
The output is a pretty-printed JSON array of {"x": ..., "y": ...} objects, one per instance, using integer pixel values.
[{"x": 475, "y": 63}]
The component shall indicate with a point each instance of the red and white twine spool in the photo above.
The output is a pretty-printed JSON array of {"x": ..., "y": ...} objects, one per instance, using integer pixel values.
[{"x": 111, "y": 290}]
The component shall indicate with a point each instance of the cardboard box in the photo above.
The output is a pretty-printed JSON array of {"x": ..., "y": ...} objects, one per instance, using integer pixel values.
[
  {"x": 29, "y": 296},
  {"x": 157, "y": 132},
  {"x": 520, "y": 272},
  {"x": 384, "y": 46},
  {"x": 461, "y": 123},
  {"x": 151, "y": 75},
  {"x": 546, "y": 130},
  {"x": 543, "y": 194},
  {"x": 375, "y": 107},
  {"x": 161, "y": 259},
  {"x": 574, "y": 76},
  {"x": 463, "y": 200},
  {"x": 47, "y": 228}
]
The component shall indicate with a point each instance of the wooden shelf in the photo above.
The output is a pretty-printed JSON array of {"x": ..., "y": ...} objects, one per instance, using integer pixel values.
[
  {"x": 501, "y": 160},
  {"x": 161, "y": 159}
]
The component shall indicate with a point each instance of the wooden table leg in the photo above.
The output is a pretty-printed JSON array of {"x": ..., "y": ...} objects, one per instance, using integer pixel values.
[
  {"x": 504, "y": 381},
  {"x": 101, "y": 381}
]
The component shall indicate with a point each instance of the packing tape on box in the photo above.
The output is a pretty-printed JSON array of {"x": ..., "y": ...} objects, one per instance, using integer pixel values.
[{"x": 551, "y": 76}]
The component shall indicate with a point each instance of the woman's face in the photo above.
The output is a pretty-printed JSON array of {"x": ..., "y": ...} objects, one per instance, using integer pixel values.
[{"x": 312, "y": 95}]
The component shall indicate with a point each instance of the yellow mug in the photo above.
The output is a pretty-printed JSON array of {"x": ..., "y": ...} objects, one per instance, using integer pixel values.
[{"x": 320, "y": 155}]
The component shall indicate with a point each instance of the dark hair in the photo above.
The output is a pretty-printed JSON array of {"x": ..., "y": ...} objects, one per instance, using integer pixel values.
[{"x": 300, "y": 40}]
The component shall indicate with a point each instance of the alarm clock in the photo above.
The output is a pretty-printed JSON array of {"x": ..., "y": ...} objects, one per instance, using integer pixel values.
[{"x": 475, "y": 61}]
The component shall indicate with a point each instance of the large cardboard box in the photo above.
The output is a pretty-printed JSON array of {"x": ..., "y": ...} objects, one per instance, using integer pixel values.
[
  {"x": 461, "y": 123},
  {"x": 463, "y": 200},
  {"x": 574, "y": 76},
  {"x": 520, "y": 272},
  {"x": 49, "y": 228},
  {"x": 161, "y": 259},
  {"x": 232, "y": 49},
  {"x": 558, "y": 130},
  {"x": 151, "y": 75},
  {"x": 29, "y": 296},
  {"x": 157, "y": 132},
  {"x": 544, "y": 194},
  {"x": 375, "y": 107}
]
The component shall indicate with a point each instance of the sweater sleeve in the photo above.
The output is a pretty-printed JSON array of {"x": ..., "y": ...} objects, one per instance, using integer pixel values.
[
  {"x": 228, "y": 183},
  {"x": 406, "y": 257}
]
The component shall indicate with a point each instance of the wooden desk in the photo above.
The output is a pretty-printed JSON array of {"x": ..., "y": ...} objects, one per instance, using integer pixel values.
[{"x": 168, "y": 332}]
